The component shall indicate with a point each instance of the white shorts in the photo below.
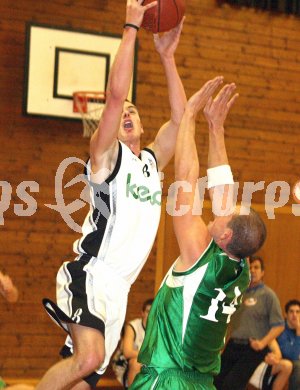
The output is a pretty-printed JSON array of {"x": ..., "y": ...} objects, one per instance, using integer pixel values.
[{"x": 91, "y": 294}]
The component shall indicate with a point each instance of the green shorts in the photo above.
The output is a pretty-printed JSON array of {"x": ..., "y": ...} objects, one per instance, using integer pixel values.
[{"x": 172, "y": 379}]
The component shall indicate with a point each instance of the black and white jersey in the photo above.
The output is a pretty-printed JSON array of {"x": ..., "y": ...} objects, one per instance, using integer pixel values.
[{"x": 124, "y": 214}]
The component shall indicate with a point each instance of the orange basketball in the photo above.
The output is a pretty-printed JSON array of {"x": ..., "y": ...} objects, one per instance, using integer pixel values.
[
  {"x": 165, "y": 16},
  {"x": 296, "y": 191}
]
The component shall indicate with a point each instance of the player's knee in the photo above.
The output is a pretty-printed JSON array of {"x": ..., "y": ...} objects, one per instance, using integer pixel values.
[
  {"x": 94, "y": 360},
  {"x": 89, "y": 362}
]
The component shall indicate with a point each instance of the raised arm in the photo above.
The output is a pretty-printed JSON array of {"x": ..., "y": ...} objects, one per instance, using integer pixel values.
[
  {"x": 191, "y": 231},
  {"x": 164, "y": 143},
  {"x": 219, "y": 171},
  {"x": 103, "y": 146}
]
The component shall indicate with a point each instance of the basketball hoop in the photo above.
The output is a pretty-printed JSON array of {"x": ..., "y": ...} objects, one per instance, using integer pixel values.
[{"x": 90, "y": 106}]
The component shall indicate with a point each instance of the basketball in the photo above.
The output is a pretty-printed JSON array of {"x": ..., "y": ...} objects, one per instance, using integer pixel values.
[
  {"x": 296, "y": 191},
  {"x": 165, "y": 16}
]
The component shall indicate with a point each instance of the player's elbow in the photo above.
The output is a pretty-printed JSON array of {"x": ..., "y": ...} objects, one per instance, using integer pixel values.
[{"x": 115, "y": 95}]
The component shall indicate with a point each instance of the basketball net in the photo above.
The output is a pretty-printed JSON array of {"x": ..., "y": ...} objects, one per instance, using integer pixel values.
[{"x": 90, "y": 106}]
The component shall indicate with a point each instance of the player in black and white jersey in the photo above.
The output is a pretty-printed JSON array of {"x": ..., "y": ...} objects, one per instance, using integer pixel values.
[{"x": 120, "y": 228}]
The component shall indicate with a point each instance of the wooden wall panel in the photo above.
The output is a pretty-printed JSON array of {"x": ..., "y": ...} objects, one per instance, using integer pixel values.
[{"x": 259, "y": 51}]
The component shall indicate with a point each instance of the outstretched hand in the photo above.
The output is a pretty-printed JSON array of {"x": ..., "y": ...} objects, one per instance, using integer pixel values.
[
  {"x": 167, "y": 43},
  {"x": 216, "y": 109},
  {"x": 135, "y": 11},
  {"x": 198, "y": 101}
]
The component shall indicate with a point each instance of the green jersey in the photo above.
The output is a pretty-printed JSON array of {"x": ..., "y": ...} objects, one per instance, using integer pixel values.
[{"x": 188, "y": 320}]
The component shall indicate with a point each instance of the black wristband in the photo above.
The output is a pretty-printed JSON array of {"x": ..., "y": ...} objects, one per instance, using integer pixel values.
[{"x": 131, "y": 25}]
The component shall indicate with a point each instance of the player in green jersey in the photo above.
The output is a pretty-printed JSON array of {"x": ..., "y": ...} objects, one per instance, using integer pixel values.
[{"x": 188, "y": 320}]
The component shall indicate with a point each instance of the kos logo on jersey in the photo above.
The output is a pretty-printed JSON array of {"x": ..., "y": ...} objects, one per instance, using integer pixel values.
[{"x": 142, "y": 193}]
